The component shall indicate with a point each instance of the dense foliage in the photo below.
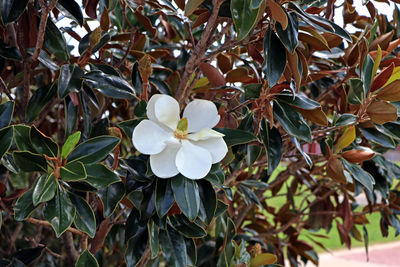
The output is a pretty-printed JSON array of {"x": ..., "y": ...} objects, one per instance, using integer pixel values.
[{"x": 307, "y": 110}]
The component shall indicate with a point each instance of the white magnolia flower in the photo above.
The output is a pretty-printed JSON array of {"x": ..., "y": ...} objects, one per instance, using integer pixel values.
[{"x": 188, "y": 146}]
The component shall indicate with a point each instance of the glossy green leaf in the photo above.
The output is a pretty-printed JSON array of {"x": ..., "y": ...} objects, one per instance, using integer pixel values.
[
  {"x": 109, "y": 85},
  {"x": 221, "y": 208},
  {"x": 85, "y": 43},
  {"x": 136, "y": 247},
  {"x": 153, "y": 239},
  {"x": 6, "y": 111},
  {"x": 12, "y": 9},
  {"x": 216, "y": 175},
  {"x": 86, "y": 259},
  {"x": 289, "y": 36},
  {"x": 304, "y": 154},
  {"x": 44, "y": 189},
  {"x": 71, "y": 116},
  {"x": 275, "y": 57},
  {"x": 10, "y": 52},
  {"x": 6, "y": 138},
  {"x": 28, "y": 255},
  {"x": 164, "y": 196},
  {"x": 73, "y": 9},
  {"x": 73, "y": 171},
  {"x": 24, "y": 206},
  {"x": 54, "y": 41},
  {"x": 375, "y": 136},
  {"x": 273, "y": 145},
  {"x": 100, "y": 176},
  {"x": 173, "y": 247},
  {"x": 40, "y": 98},
  {"x": 252, "y": 91},
  {"x": 69, "y": 145},
  {"x": 59, "y": 212},
  {"x": 366, "y": 73},
  {"x": 21, "y": 137},
  {"x": 133, "y": 224},
  {"x": 111, "y": 196},
  {"x": 186, "y": 193},
  {"x": 70, "y": 79},
  {"x": 365, "y": 178},
  {"x": 94, "y": 149},
  {"x": 85, "y": 219},
  {"x": 186, "y": 227},
  {"x": 29, "y": 162},
  {"x": 244, "y": 17},
  {"x": 292, "y": 121},
  {"x": 208, "y": 201},
  {"x": 253, "y": 153},
  {"x": 235, "y": 136},
  {"x": 228, "y": 249},
  {"x": 128, "y": 126},
  {"x": 44, "y": 58},
  {"x": 346, "y": 119},
  {"x": 43, "y": 144},
  {"x": 299, "y": 100},
  {"x": 255, "y": 3}
]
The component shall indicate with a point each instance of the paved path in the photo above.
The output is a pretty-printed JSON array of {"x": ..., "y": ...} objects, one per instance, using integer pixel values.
[{"x": 380, "y": 255}]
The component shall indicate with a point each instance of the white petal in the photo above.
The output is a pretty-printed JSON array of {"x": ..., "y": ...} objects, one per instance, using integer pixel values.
[
  {"x": 163, "y": 109},
  {"x": 149, "y": 138},
  {"x": 204, "y": 134},
  {"x": 163, "y": 164},
  {"x": 216, "y": 146},
  {"x": 201, "y": 114},
  {"x": 150, "y": 107},
  {"x": 193, "y": 161}
]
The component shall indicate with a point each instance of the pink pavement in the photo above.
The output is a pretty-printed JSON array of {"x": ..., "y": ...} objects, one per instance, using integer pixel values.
[{"x": 380, "y": 255}]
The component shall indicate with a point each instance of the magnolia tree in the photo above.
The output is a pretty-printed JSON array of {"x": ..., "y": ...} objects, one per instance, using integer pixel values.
[{"x": 194, "y": 133}]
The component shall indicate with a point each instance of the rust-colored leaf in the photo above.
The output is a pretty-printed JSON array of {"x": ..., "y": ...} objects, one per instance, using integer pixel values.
[
  {"x": 358, "y": 155},
  {"x": 105, "y": 20},
  {"x": 381, "y": 79},
  {"x": 201, "y": 19},
  {"x": 278, "y": 14},
  {"x": 383, "y": 40},
  {"x": 381, "y": 112},
  {"x": 95, "y": 37},
  {"x": 293, "y": 63},
  {"x": 91, "y": 7},
  {"x": 180, "y": 4},
  {"x": 335, "y": 170},
  {"x": 224, "y": 63},
  {"x": 214, "y": 76},
  {"x": 238, "y": 75},
  {"x": 314, "y": 42},
  {"x": 254, "y": 53},
  {"x": 390, "y": 92},
  {"x": 316, "y": 116},
  {"x": 145, "y": 68},
  {"x": 393, "y": 45},
  {"x": 145, "y": 21}
]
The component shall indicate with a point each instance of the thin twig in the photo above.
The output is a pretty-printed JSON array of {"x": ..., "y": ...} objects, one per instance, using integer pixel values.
[
  {"x": 46, "y": 223},
  {"x": 197, "y": 54}
]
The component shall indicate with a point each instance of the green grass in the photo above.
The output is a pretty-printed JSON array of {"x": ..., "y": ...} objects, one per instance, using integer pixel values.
[{"x": 332, "y": 241}]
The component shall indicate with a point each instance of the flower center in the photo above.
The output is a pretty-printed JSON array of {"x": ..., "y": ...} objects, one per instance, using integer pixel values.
[{"x": 181, "y": 131}]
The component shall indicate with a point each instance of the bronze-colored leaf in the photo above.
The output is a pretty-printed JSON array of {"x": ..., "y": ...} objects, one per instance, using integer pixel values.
[
  {"x": 358, "y": 155},
  {"x": 238, "y": 75},
  {"x": 335, "y": 170},
  {"x": 215, "y": 78},
  {"x": 105, "y": 20},
  {"x": 201, "y": 19},
  {"x": 381, "y": 112},
  {"x": 278, "y": 14},
  {"x": 224, "y": 63},
  {"x": 315, "y": 115},
  {"x": 381, "y": 79},
  {"x": 383, "y": 40}
]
